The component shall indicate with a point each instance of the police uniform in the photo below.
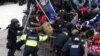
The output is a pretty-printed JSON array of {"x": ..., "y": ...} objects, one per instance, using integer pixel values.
[
  {"x": 12, "y": 33},
  {"x": 31, "y": 45},
  {"x": 73, "y": 47},
  {"x": 59, "y": 42}
]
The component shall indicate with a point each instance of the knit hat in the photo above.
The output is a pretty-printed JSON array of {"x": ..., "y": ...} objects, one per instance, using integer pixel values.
[
  {"x": 43, "y": 18},
  {"x": 65, "y": 29},
  {"x": 84, "y": 9}
]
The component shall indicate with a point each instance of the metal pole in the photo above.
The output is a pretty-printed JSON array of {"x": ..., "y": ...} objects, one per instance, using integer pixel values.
[
  {"x": 27, "y": 19},
  {"x": 90, "y": 4},
  {"x": 47, "y": 19},
  {"x": 42, "y": 10},
  {"x": 86, "y": 48},
  {"x": 51, "y": 43}
]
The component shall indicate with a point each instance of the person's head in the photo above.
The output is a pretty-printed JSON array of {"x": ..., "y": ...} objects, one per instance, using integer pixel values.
[
  {"x": 32, "y": 31},
  {"x": 65, "y": 30},
  {"x": 78, "y": 26},
  {"x": 61, "y": 11},
  {"x": 75, "y": 32},
  {"x": 98, "y": 29},
  {"x": 58, "y": 17},
  {"x": 96, "y": 39},
  {"x": 89, "y": 33},
  {"x": 76, "y": 40},
  {"x": 84, "y": 10},
  {"x": 26, "y": 12},
  {"x": 39, "y": 13},
  {"x": 15, "y": 22},
  {"x": 98, "y": 22}
]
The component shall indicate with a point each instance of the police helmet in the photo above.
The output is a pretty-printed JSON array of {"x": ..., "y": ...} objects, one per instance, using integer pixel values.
[
  {"x": 76, "y": 39},
  {"x": 31, "y": 31},
  {"x": 14, "y": 21}
]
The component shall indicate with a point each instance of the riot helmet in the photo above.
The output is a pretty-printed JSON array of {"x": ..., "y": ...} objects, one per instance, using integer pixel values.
[
  {"x": 31, "y": 31},
  {"x": 77, "y": 40},
  {"x": 15, "y": 22}
]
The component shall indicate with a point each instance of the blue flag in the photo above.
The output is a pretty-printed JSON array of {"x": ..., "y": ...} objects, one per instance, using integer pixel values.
[
  {"x": 52, "y": 14},
  {"x": 48, "y": 8},
  {"x": 93, "y": 21}
]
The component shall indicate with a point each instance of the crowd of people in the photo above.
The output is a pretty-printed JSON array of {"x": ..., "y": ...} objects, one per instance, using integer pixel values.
[{"x": 75, "y": 30}]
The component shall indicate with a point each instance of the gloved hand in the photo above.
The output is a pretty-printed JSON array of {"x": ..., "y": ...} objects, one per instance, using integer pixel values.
[{"x": 8, "y": 45}]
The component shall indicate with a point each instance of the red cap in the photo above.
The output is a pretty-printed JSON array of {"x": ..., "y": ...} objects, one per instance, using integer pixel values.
[
  {"x": 96, "y": 38},
  {"x": 43, "y": 18},
  {"x": 84, "y": 9}
]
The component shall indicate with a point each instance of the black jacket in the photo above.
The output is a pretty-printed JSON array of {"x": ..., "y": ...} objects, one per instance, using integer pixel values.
[
  {"x": 12, "y": 33},
  {"x": 60, "y": 40},
  {"x": 58, "y": 24},
  {"x": 69, "y": 51}
]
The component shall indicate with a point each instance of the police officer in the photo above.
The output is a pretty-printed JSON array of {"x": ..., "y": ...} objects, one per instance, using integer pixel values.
[
  {"x": 60, "y": 40},
  {"x": 73, "y": 47},
  {"x": 32, "y": 38},
  {"x": 21, "y": 42},
  {"x": 11, "y": 37}
]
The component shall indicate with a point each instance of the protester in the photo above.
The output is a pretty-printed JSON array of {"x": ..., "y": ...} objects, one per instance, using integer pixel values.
[
  {"x": 94, "y": 48},
  {"x": 73, "y": 23}
]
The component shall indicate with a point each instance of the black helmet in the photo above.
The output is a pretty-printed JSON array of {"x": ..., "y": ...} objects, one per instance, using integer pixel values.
[
  {"x": 14, "y": 21},
  {"x": 77, "y": 40},
  {"x": 31, "y": 31}
]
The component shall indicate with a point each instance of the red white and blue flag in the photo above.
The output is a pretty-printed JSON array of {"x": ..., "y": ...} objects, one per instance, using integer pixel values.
[{"x": 46, "y": 5}]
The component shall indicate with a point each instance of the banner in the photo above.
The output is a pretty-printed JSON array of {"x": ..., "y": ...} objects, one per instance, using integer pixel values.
[{"x": 48, "y": 8}]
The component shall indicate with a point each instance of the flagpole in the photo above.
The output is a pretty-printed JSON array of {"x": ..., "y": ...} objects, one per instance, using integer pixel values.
[
  {"x": 27, "y": 19},
  {"x": 51, "y": 39},
  {"x": 45, "y": 15},
  {"x": 86, "y": 48},
  {"x": 42, "y": 10},
  {"x": 89, "y": 4}
]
